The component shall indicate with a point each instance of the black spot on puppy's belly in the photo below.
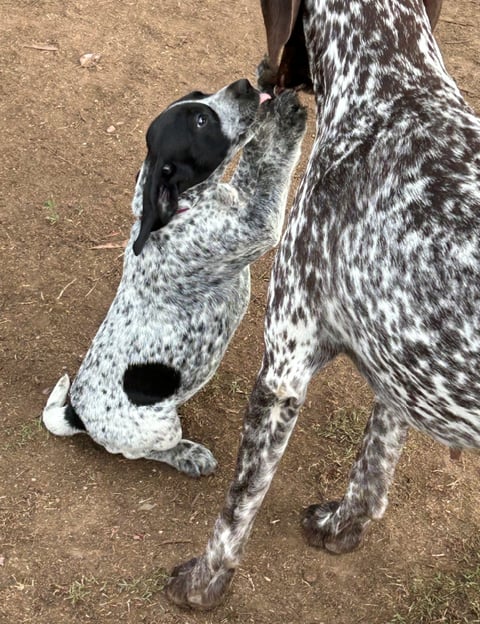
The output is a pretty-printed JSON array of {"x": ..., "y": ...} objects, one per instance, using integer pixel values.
[{"x": 146, "y": 384}]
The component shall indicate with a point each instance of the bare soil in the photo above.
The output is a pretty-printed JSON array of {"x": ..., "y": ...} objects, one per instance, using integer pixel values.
[{"x": 86, "y": 536}]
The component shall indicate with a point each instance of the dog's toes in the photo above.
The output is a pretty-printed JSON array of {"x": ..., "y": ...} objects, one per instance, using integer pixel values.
[
  {"x": 316, "y": 521},
  {"x": 323, "y": 529},
  {"x": 266, "y": 76},
  {"x": 288, "y": 107},
  {"x": 197, "y": 461},
  {"x": 194, "y": 584},
  {"x": 191, "y": 458},
  {"x": 290, "y": 119}
]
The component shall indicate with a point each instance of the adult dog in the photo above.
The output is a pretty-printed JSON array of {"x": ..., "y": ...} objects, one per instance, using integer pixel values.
[
  {"x": 186, "y": 280},
  {"x": 380, "y": 261}
]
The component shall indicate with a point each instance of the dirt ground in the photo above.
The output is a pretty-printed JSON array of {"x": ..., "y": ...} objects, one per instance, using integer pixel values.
[{"x": 86, "y": 536}]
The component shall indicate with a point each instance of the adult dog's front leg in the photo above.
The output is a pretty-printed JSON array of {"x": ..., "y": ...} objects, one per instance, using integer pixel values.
[
  {"x": 270, "y": 418},
  {"x": 267, "y": 427}
]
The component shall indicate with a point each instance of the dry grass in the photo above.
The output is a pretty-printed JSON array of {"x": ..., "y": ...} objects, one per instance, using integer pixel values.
[{"x": 449, "y": 597}]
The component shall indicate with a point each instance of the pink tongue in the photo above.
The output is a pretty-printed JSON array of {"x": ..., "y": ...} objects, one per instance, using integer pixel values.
[{"x": 264, "y": 97}]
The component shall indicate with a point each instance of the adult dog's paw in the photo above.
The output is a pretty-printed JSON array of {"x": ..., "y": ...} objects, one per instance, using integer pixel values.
[
  {"x": 194, "y": 584},
  {"x": 322, "y": 529},
  {"x": 266, "y": 76}
]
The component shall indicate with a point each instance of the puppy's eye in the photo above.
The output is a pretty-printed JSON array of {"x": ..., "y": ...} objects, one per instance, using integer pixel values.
[
  {"x": 201, "y": 120},
  {"x": 167, "y": 170}
]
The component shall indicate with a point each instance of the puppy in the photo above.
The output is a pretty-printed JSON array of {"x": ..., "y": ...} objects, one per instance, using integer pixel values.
[{"x": 186, "y": 282}]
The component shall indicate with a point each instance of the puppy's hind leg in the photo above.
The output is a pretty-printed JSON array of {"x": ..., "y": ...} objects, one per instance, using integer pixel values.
[
  {"x": 151, "y": 387},
  {"x": 59, "y": 418}
]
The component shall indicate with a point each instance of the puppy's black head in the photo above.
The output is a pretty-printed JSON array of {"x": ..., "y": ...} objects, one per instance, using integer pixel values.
[{"x": 185, "y": 145}]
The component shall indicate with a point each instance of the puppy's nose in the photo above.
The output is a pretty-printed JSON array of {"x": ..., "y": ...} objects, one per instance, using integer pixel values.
[{"x": 241, "y": 87}]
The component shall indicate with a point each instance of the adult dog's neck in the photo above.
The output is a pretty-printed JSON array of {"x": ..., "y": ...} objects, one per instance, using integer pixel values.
[{"x": 370, "y": 51}]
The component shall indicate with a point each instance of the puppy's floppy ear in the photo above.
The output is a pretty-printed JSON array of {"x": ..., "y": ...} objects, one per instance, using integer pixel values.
[
  {"x": 160, "y": 201},
  {"x": 433, "y": 8},
  {"x": 279, "y": 17}
]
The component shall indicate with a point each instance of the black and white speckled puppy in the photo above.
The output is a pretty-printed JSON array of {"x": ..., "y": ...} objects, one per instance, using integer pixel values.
[
  {"x": 380, "y": 261},
  {"x": 186, "y": 280}
]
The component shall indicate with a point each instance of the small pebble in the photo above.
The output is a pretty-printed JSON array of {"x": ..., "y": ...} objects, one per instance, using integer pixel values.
[
  {"x": 90, "y": 59},
  {"x": 309, "y": 576}
]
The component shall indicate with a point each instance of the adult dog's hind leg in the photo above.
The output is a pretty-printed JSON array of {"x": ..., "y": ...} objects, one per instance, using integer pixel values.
[{"x": 339, "y": 526}]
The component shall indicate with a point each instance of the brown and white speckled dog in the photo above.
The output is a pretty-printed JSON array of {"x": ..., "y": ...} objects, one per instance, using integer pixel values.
[
  {"x": 186, "y": 281},
  {"x": 380, "y": 261}
]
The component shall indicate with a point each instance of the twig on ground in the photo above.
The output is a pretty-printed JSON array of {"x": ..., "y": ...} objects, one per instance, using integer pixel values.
[
  {"x": 65, "y": 288},
  {"x": 43, "y": 48},
  {"x": 448, "y": 21}
]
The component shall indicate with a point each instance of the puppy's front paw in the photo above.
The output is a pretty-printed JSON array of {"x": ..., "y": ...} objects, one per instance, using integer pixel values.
[
  {"x": 280, "y": 128},
  {"x": 290, "y": 115},
  {"x": 194, "y": 584}
]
